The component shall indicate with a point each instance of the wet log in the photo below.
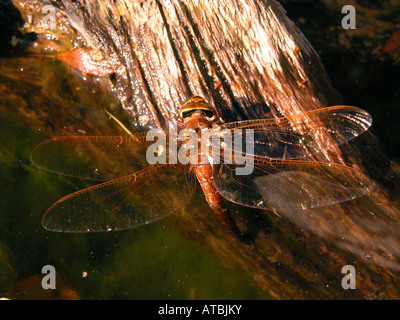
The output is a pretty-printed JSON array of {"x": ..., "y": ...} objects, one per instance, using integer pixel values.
[{"x": 250, "y": 61}]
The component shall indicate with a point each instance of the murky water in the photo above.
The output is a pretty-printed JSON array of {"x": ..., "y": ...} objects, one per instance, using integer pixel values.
[{"x": 153, "y": 262}]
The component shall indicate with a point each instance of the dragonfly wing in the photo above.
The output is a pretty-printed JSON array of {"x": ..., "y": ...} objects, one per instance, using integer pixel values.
[
  {"x": 124, "y": 203},
  {"x": 99, "y": 158},
  {"x": 294, "y": 137},
  {"x": 290, "y": 184}
]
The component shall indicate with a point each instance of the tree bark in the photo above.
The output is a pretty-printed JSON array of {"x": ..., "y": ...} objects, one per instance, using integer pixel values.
[{"x": 249, "y": 60}]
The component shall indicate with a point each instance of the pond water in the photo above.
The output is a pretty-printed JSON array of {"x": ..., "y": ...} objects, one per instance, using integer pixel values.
[{"x": 152, "y": 262}]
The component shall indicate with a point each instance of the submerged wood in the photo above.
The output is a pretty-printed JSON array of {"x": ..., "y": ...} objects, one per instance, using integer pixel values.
[{"x": 249, "y": 60}]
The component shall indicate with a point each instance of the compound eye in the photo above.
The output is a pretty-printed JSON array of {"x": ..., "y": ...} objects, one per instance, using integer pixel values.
[
  {"x": 209, "y": 113},
  {"x": 187, "y": 113}
]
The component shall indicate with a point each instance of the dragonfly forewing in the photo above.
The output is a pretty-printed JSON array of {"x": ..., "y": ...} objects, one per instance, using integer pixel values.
[
  {"x": 298, "y": 136},
  {"x": 99, "y": 158}
]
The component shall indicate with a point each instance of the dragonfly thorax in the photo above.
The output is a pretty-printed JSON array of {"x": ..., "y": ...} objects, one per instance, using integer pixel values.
[{"x": 198, "y": 114}]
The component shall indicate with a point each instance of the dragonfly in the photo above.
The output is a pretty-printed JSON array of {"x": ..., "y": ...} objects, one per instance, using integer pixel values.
[{"x": 287, "y": 172}]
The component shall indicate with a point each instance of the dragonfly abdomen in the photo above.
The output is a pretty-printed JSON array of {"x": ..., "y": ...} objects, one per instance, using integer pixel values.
[
  {"x": 213, "y": 197},
  {"x": 199, "y": 115}
]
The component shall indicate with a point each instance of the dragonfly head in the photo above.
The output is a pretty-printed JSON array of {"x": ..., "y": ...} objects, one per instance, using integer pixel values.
[{"x": 198, "y": 110}]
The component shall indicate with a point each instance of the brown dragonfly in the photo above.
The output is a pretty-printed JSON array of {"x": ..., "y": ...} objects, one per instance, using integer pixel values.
[{"x": 285, "y": 172}]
